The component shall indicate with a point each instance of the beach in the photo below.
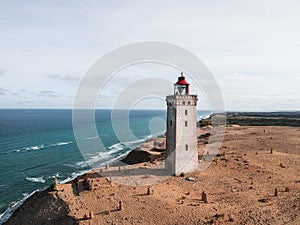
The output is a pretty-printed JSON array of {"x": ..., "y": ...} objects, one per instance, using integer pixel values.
[{"x": 254, "y": 180}]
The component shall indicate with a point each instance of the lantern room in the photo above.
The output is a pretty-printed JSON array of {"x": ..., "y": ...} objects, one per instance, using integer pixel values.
[{"x": 181, "y": 87}]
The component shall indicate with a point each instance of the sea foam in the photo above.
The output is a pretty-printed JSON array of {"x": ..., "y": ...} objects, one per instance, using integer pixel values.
[
  {"x": 36, "y": 179},
  {"x": 36, "y": 147},
  {"x": 43, "y": 146},
  {"x": 63, "y": 143}
]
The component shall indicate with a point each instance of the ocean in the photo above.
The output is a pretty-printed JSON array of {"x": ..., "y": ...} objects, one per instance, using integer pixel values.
[{"x": 37, "y": 145}]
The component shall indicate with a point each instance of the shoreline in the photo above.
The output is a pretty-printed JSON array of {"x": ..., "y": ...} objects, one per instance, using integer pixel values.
[
  {"x": 11, "y": 209},
  {"x": 143, "y": 147},
  {"x": 112, "y": 162},
  {"x": 120, "y": 158},
  {"x": 223, "y": 182}
]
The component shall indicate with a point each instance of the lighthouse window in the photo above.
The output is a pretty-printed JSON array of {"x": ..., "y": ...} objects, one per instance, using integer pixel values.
[
  {"x": 183, "y": 102},
  {"x": 170, "y": 122},
  {"x": 186, "y": 123},
  {"x": 186, "y": 147},
  {"x": 189, "y": 102},
  {"x": 185, "y": 112}
]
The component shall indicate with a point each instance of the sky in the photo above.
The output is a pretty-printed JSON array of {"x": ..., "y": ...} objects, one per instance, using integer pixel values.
[{"x": 252, "y": 49}]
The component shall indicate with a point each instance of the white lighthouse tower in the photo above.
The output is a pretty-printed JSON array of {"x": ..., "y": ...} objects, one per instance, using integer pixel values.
[{"x": 182, "y": 153}]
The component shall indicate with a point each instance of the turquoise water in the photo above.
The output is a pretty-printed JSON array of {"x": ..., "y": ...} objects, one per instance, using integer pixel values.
[{"x": 37, "y": 145}]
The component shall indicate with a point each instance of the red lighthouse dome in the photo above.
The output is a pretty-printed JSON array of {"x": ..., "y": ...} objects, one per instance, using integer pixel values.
[
  {"x": 181, "y": 87},
  {"x": 182, "y": 81}
]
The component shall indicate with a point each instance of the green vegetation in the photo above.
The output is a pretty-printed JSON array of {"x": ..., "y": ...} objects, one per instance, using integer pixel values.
[{"x": 258, "y": 119}]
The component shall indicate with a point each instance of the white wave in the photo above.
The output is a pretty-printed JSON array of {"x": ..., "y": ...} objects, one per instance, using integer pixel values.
[
  {"x": 72, "y": 165},
  {"x": 73, "y": 176},
  {"x": 130, "y": 143},
  {"x": 101, "y": 155},
  {"x": 53, "y": 176},
  {"x": 80, "y": 164},
  {"x": 96, "y": 158},
  {"x": 37, "y": 147},
  {"x": 121, "y": 145},
  {"x": 36, "y": 179},
  {"x": 92, "y": 158},
  {"x": 115, "y": 159},
  {"x": 202, "y": 117},
  {"x": 90, "y": 138},
  {"x": 77, "y": 165},
  {"x": 149, "y": 137},
  {"x": 32, "y": 148},
  {"x": 106, "y": 156},
  {"x": 63, "y": 143},
  {"x": 118, "y": 146}
]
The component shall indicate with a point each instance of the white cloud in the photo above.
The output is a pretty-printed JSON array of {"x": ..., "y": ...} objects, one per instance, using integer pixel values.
[
  {"x": 251, "y": 47},
  {"x": 3, "y": 91},
  {"x": 243, "y": 91},
  {"x": 2, "y": 72},
  {"x": 27, "y": 102},
  {"x": 68, "y": 78},
  {"x": 48, "y": 94}
]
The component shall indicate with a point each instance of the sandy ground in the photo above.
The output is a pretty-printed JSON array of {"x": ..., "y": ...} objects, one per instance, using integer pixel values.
[{"x": 239, "y": 184}]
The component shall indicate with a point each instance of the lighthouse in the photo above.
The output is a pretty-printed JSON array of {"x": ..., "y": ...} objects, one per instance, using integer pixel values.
[{"x": 181, "y": 137}]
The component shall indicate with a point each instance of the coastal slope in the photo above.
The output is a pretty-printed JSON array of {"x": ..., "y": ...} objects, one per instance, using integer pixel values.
[{"x": 255, "y": 179}]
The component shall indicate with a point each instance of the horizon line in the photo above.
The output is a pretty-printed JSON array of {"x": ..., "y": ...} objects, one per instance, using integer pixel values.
[{"x": 296, "y": 110}]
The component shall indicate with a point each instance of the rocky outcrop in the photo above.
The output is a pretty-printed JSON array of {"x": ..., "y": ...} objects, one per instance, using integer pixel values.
[
  {"x": 42, "y": 208},
  {"x": 137, "y": 156}
]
